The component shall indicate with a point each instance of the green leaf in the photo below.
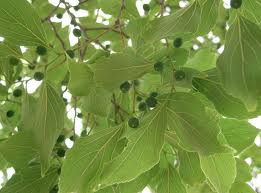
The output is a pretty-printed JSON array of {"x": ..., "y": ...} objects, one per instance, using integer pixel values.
[
  {"x": 170, "y": 182},
  {"x": 113, "y": 71},
  {"x": 18, "y": 150},
  {"x": 189, "y": 168},
  {"x": 250, "y": 10},
  {"x": 240, "y": 62},
  {"x": 82, "y": 166},
  {"x": 239, "y": 134},
  {"x": 20, "y": 24},
  {"x": 240, "y": 187},
  {"x": 243, "y": 171},
  {"x": 48, "y": 123},
  {"x": 7, "y": 49},
  {"x": 3, "y": 162},
  {"x": 29, "y": 180},
  {"x": 3, "y": 90},
  {"x": 186, "y": 116},
  {"x": 142, "y": 151},
  {"x": 220, "y": 169}
]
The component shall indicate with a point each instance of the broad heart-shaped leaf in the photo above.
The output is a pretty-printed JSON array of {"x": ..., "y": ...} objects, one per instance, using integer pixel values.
[
  {"x": 225, "y": 103},
  {"x": 18, "y": 150},
  {"x": 171, "y": 182},
  {"x": 239, "y": 134},
  {"x": 241, "y": 187},
  {"x": 251, "y": 10},
  {"x": 243, "y": 171},
  {"x": 220, "y": 169},
  {"x": 48, "y": 122},
  {"x": 85, "y": 161},
  {"x": 81, "y": 79},
  {"x": 189, "y": 168},
  {"x": 142, "y": 151},
  {"x": 20, "y": 24},
  {"x": 197, "y": 18},
  {"x": 196, "y": 130},
  {"x": 200, "y": 188},
  {"x": 29, "y": 180},
  {"x": 118, "y": 68},
  {"x": 240, "y": 63}
]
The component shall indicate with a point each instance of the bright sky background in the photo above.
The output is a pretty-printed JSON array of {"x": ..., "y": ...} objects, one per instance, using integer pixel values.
[{"x": 33, "y": 85}]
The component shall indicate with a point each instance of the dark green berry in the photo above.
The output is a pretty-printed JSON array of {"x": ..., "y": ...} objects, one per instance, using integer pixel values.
[
  {"x": 151, "y": 102},
  {"x": 235, "y": 4},
  {"x": 83, "y": 133},
  {"x": 19, "y": 78},
  {"x": 17, "y": 93},
  {"x": 142, "y": 106},
  {"x": 13, "y": 61},
  {"x": 139, "y": 98},
  {"x": 38, "y": 76},
  {"x": 61, "y": 152},
  {"x": 136, "y": 82},
  {"x": 60, "y": 139},
  {"x": 125, "y": 87},
  {"x": 107, "y": 46},
  {"x": 133, "y": 122},
  {"x": 146, "y": 7},
  {"x": 70, "y": 53},
  {"x": 10, "y": 113},
  {"x": 77, "y": 32},
  {"x": 59, "y": 171},
  {"x": 59, "y": 15},
  {"x": 72, "y": 138},
  {"x": 76, "y": 8},
  {"x": 177, "y": 43},
  {"x": 55, "y": 189},
  {"x": 80, "y": 115},
  {"x": 158, "y": 66},
  {"x": 180, "y": 75},
  {"x": 31, "y": 67},
  {"x": 41, "y": 50},
  {"x": 154, "y": 94},
  {"x": 65, "y": 100}
]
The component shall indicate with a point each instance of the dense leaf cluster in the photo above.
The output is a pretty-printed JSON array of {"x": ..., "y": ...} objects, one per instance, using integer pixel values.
[{"x": 158, "y": 97}]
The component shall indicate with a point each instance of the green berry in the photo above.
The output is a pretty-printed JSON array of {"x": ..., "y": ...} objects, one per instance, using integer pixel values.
[
  {"x": 235, "y": 4},
  {"x": 41, "y": 50},
  {"x": 158, "y": 66},
  {"x": 55, "y": 189},
  {"x": 59, "y": 171},
  {"x": 154, "y": 94},
  {"x": 65, "y": 100},
  {"x": 107, "y": 46},
  {"x": 80, "y": 115},
  {"x": 61, "y": 152},
  {"x": 146, "y": 7},
  {"x": 136, "y": 82},
  {"x": 77, "y": 32},
  {"x": 72, "y": 138},
  {"x": 151, "y": 102},
  {"x": 133, "y": 122},
  {"x": 10, "y": 113},
  {"x": 17, "y": 93},
  {"x": 139, "y": 98},
  {"x": 70, "y": 53},
  {"x": 19, "y": 78},
  {"x": 83, "y": 133},
  {"x": 180, "y": 75},
  {"x": 60, "y": 139},
  {"x": 13, "y": 61},
  {"x": 31, "y": 67},
  {"x": 177, "y": 43},
  {"x": 76, "y": 8},
  {"x": 125, "y": 87},
  {"x": 38, "y": 76},
  {"x": 59, "y": 15},
  {"x": 142, "y": 106}
]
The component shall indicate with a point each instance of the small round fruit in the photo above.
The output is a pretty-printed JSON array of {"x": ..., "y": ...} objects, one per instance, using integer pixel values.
[
  {"x": 72, "y": 138},
  {"x": 80, "y": 115},
  {"x": 65, "y": 100},
  {"x": 55, "y": 189},
  {"x": 19, "y": 78},
  {"x": 139, "y": 98},
  {"x": 41, "y": 50},
  {"x": 17, "y": 92},
  {"x": 59, "y": 15},
  {"x": 60, "y": 139},
  {"x": 177, "y": 43},
  {"x": 154, "y": 94},
  {"x": 38, "y": 76},
  {"x": 77, "y": 32},
  {"x": 146, "y": 7},
  {"x": 133, "y": 122},
  {"x": 136, "y": 82},
  {"x": 83, "y": 133},
  {"x": 61, "y": 152},
  {"x": 13, "y": 61},
  {"x": 180, "y": 75},
  {"x": 70, "y": 53},
  {"x": 158, "y": 66},
  {"x": 31, "y": 67},
  {"x": 151, "y": 102},
  {"x": 235, "y": 4},
  {"x": 59, "y": 171},
  {"x": 125, "y": 87},
  {"x": 76, "y": 8},
  {"x": 10, "y": 113},
  {"x": 142, "y": 106}
]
